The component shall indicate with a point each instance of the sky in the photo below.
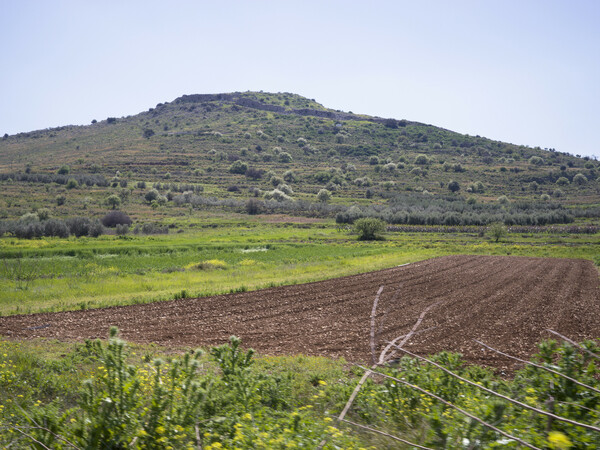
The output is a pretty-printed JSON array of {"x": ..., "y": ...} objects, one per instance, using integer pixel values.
[{"x": 525, "y": 72}]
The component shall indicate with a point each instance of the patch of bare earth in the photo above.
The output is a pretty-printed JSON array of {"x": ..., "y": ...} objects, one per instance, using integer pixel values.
[{"x": 506, "y": 302}]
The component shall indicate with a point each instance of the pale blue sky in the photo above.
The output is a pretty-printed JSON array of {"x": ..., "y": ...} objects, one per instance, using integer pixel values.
[{"x": 526, "y": 72}]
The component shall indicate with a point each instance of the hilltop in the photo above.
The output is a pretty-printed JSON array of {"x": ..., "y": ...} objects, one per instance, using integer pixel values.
[{"x": 244, "y": 145}]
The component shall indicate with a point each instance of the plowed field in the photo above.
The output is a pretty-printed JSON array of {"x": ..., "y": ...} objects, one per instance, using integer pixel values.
[{"x": 506, "y": 302}]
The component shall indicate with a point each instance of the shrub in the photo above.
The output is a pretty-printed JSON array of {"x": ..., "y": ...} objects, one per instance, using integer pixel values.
[
  {"x": 55, "y": 227},
  {"x": 43, "y": 213},
  {"x": 285, "y": 189},
  {"x": 239, "y": 167},
  {"x": 141, "y": 185},
  {"x": 364, "y": 181},
  {"x": 390, "y": 167},
  {"x": 422, "y": 159},
  {"x": 114, "y": 218},
  {"x": 285, "y": 157},
  {"x": 289, "y": 176},
  {"x": 276, "y": 194},
  {"x": 563, "y": 181},
  {"x": 255, "y": 174},
  {"x": 374, "y": 160},
  {"x": 79, "y": 226},
  {"x": 536, "y": 161},
  {"x": 276, "y": 181},
  {"x": 64, "y": 170},
  {"x": 60, "y": 199},
  {"x": 152, "y": 228},
  {"x": 369, "y": 228},
  {"x": 151, "y": 195},
  {"x": 121, "y": 229},
  {"x": 453, "y": 186},
  {"x": 324, "y": 195},
  {"x": 148, "y": 133},
  {"x": 503, "y": 200},
  {"x": 113, "y": 201},
  {"x": 72, "y": 184},
  {"x": 580, "y": 179}
]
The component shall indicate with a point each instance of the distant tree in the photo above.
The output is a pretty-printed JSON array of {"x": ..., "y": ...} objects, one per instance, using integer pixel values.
[
  {"x": 454, "y": 186},
  {"x": 562, "y": 181},
  {"x": 369, "y": 228},
  {"x": 497, "y": 231},
  {"x": 151, "y": 195},
  {"x": 64, "y": 170},
  {"x": 148, "y": 133},
  {"x": 141, "y": 185},
  {"x": 94, "y": 121},
  {"x": 115, "y": 218},
  {"x": 111, "y": 120},
  {"x": 324, "y": 195},
  {"x": 113, "y": 201},
  {"x": 5, "y": 136}
]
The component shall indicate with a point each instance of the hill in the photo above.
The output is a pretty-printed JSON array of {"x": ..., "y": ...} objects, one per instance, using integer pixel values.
[{"x": 222, "y": 149}]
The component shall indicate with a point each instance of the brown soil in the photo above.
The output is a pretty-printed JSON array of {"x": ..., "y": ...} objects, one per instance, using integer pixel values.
[{"x": 506, "y": 302}]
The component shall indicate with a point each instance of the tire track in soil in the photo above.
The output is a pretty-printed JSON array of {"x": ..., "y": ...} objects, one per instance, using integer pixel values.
[{"x": 507, "y": 302}]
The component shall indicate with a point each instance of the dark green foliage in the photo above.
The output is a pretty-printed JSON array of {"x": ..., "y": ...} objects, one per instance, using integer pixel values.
[
  {"x": 114, "y": 218},
  {"x": 151, "y": 195},
  {"x": 369, "y": 228},
  {"x": 453, "y": 186},
  {"x": 238, "y": 167},
  {"x": 82, "y": 226}
]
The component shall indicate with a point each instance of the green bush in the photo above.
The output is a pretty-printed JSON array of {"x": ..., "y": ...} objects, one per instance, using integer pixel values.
[
  {"x": 239, "y": 167},
  {"x": 369, "y": 228}
]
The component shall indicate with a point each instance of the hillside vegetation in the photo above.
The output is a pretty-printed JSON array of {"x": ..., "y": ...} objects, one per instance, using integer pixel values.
[{"x": 290, "y": 155}]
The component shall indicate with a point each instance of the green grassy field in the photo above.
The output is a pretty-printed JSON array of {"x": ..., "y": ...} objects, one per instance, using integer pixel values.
[{"x": 85, "y": 273}]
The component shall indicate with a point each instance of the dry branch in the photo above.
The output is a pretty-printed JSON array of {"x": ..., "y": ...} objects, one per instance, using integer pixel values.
[
  {"x": 540, "y": 367},
  {"x": 516, "y": 402},
  {"x": 373, "y": 315},
  {"x": 382, "y": 358},
  {"x": 391, "y": 436},
  {"x": 574, "y": 343},
  {"x": 462, "y": 411}
]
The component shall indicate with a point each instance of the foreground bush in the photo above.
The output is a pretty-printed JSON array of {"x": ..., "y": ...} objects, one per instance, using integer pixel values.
[
  {"x": 172, "y": 404},
  {"x": 231, "y": 400}
]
